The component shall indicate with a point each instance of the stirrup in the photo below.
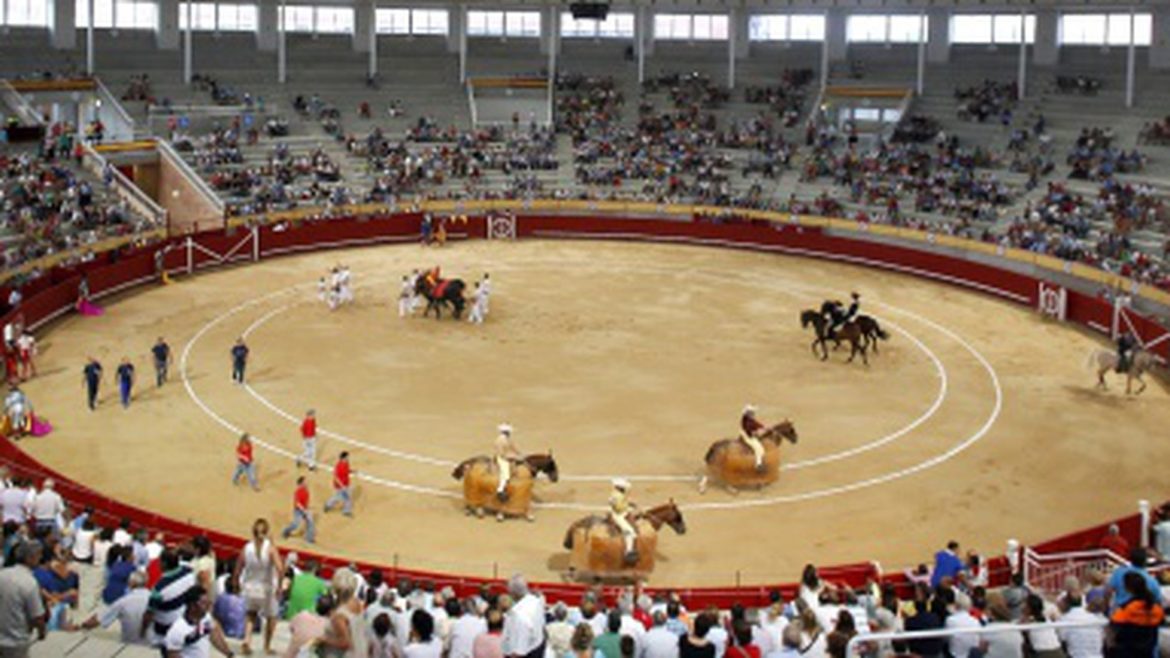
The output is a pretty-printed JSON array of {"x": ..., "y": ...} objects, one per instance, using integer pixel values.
[
  {"x": 630, "y": 558},
  {"x": 502, "y": 496}
]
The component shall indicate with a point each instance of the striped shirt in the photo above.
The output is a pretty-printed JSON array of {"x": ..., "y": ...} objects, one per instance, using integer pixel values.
[{"x": 168, "y": 600}]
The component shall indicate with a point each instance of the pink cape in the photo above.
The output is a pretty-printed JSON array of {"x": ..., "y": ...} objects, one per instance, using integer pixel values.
[
  {"x": 89, "y": 309},
  {"x": 40, "y": 427}
]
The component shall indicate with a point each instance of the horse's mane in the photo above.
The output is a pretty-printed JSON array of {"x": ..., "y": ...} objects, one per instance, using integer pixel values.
[{"x": 461, "y": 469}]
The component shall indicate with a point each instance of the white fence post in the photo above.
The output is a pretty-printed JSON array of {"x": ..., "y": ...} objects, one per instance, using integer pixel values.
[
  {"x": 1144, "y": 510},
  {"x": 256, "y": 243},
  {"x": 190, "y": 256}
]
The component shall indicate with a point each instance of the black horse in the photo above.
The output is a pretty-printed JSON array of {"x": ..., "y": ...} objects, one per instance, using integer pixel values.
[
  {"x": 450, "y": 293},
  {"x": 871, "y": 331}
]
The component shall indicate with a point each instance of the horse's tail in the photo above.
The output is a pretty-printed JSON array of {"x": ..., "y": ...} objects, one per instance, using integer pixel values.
[
  {"x": 1093, "y": 360},
  {"x": 568, "y": 543},
  {"x": 881, "y": 333},
  {"x": 710, "y": 457},
  {"x": 462, "y": 468}
]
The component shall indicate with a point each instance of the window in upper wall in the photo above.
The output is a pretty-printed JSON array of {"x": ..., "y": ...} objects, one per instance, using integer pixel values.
[
  {"x": 103, "y": 14},
  {"x": 972, "y": 28},
  {"x": 1007, "y": 29},
  {"x": 615, "y": 26},
  {"x": 866, "y": 29},
  {"x": 691, "y": 27},
  {"x": 906, "y": 28},
  {"x": 392, "y": 21},
  {"x": 24, "y": 13},
  {"x": 428, "y": 22},
  {"x": 136, "y": 15},
  {"x": 1105, "y": 29},
  {"x": 334, "y": 20},
  {"x": 768, "y": 27},
  {"x": 503, "y": 23},
  {"x": 202, "y": 15},
  {"x": 806, "y": 27},
  {"x": 296, "y": 18}
]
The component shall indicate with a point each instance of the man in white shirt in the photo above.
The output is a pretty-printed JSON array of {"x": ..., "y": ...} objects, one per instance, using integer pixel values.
[
  {"x": 524, "y": 624},
  {"x": 464, "y": 629},
  {"x": 128, "y": 611},
  {"x": 194, "y": 632},
  {"x": 122, "y": 536},
  {"x": 659, "y": 642},
  {"x": 962, "y": 645},
  {"x": 47, "y": 507},
  {"x": 1082, "y": 642},
  {"x": 15, "y": 503}
]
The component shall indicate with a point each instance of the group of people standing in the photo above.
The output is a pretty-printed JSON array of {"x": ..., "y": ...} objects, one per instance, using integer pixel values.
[
  {"x": 336, "y": 288},
  {"x": 92, "y": 375}
]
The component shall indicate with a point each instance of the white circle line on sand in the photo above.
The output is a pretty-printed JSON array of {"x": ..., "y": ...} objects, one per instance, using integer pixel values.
[
  {"x": 940, "y": 397},
  {"x": 759, "y": 502}
]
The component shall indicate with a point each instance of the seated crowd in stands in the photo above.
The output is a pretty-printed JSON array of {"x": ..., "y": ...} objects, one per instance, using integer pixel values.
[
  {"x": 989, "y": 100},
  {"x": 155, "y": 589}
]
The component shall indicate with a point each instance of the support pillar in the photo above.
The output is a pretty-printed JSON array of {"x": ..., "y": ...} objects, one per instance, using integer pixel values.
[
  {"x": 938, "y": 39},
  {"x": 836, "y": 40},
  {"x": 732, "y": 33},
  {"x": 281, "y": 47},
  {"x": 268, "y": 25},
  {"x": 1160, "y": 41},
  {"x": 462, "y": 43},
  {"x": 63, "y": 30},
  {"x": 90, "y": 63},
  {"x": 920, "y": 86},
  {"x": 1022, "y": 74},
  {"x": 1130, "y": 60},
  {"x": 187, "y": 47},
  {"x": 363, "y": 20},
  {"x": 168, "y": 36},
  {"x": 373, "y": 30},
  {"x": 642, "y": 39},
  {"x": 1046, "y": 49}
]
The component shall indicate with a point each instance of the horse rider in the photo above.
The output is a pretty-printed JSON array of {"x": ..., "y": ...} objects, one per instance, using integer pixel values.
[
  {"x": 505, "y": 451},
  {"x": 18, "y": 410},
  {"x": 433, "y": 277},
  {"x": 838, "y": 316},
  {"x": 1126, "y": 345},
  {"x": 620, "y": 506},
  {"x": 750, "y": 431}
]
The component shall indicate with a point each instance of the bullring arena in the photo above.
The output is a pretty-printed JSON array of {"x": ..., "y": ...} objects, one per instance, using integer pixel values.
[{"x": 624, "y": 359}]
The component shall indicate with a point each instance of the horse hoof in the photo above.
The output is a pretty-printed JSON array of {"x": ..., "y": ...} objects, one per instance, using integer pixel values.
[
  {"x": 499, "y": 517},
  {"x": 479, "y": 512}
]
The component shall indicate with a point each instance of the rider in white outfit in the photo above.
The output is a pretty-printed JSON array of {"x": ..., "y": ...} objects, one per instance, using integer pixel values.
[{"x": 505, "y": 452}]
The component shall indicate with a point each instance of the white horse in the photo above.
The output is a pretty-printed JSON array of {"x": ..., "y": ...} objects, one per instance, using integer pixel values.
[{"x": 1106, "y": 360}]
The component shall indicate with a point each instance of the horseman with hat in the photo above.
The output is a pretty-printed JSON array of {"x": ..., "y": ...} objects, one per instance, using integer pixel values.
[
  {"x": 505, "y": 452},
  {"x": 750, "y": 431},
  {"x": 838, "y": 315},
  {"x": 619, "y": 507}
]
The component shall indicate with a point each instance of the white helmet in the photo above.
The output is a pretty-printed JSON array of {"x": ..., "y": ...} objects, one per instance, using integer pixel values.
[
  {"x": 621, "y": 483},
  {"x": 505, "y": 428},
  {"x": 749, "y": 410}
]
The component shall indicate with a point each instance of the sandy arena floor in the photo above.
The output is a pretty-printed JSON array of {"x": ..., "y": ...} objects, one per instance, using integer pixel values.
[{"x": 978, "y": 421}]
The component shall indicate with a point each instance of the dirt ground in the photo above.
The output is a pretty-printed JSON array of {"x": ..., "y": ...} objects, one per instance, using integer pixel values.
[{"x": 978, "y": 421}]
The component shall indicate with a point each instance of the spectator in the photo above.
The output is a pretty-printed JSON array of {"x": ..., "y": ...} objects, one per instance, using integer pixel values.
[
  {"x": 345, "y": 636},
  {"x": 581, "y": 646},
  {"x": 790, "y": 643},
  {"x": 559, "y": 632},
  {"x": 1113, "y": 541},
  {"x": 308, "y": 626},
  {"x": 21, "y": 609},
  {"x": 258, "y": 570},
  {"x": 229, "y": 610},
  {"x": 695, "y": 644},
  {"x": 1082, "y": 642},
  {"x": 524, "y": 623},
  {"x": 742, "y": 645},
  {"x": 488, "y": 643},
  {"x": 305, "y": 589},
  {"x": 128, "y": 611},
  {"x": 961, "y": 646},
  {"x": 1043, "y": 642},
  {"x": 838, "y": 640},
  {"x": 465, "y": 628},
  {"x": 423, "y": 642},
  {"x": 1133, "y": 626},
  {"x": 660, "y": 642},
  {"x": 194, "y": 632},
  {"x": 169, "y": 595},
  {"x": 929, "y": 615},
  {"x": 1006, "y": 643},
  {"x": 608, "y": 644},
  {"x": 1138, "y": 558},
  {"x": 59, "y": 587},
  {"x": 118, "y": 571},
  {"x": 947, "y": 564}
]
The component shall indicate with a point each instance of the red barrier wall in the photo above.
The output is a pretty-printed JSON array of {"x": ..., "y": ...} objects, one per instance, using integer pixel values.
[{"x": 56, "y": 291}]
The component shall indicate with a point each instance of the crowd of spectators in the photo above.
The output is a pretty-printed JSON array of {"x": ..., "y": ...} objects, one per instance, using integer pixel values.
[
  {"x": 1094, "y": 156},
  {"x": 988, "y": 100}
]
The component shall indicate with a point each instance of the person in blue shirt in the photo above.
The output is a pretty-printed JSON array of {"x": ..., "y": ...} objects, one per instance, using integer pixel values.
[
  {"x": 947, "y": 564},
  {"x": 1138, "y": 559},
  {"x": 92, "y": 376},
  {"x": 125, "y": 375},
  {"x": 162, "y": 360},
  {"x": 239, "y": 360}
]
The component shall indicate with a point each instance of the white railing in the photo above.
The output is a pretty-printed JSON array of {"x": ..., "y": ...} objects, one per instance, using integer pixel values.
[
  {"x": 27, "y": 113},
  {"x": 996, "y": 629},
  {"x": 121, "y": 126},
  {"x": 125, "y": 188},
  {"x": 1048, "y": 572},
  {"x": 165, "y": 150}
]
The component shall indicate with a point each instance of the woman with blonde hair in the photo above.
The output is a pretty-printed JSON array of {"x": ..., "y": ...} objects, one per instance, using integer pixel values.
[{"x": 345, "y": 636}]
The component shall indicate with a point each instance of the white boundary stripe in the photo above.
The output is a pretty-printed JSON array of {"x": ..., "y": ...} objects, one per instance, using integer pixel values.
[
  {"x": 889, "y": 438},
  {"x": 692, "y": 507},
  {"x": 818, "y": 255}
]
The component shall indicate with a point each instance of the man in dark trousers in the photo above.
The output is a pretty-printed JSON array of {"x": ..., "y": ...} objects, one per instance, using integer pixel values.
[
  {"x": 162, "y": 360},
  {"x": 92, "y": 378},
  {"x": 125, "y": 377},
  {"x": 239, "y": 360}
]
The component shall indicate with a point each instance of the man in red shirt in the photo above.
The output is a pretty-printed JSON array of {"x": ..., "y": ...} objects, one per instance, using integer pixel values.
[
  {"x": 301, "y": 513},
  {"x": 309, "y": 439},
  {"x": 341, "y": 495},
  {"x": 1114, "y": 542},
  {"x": 244, "y": 464}
]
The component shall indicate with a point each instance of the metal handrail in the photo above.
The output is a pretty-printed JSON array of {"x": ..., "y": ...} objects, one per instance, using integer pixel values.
[
  {"x": 995, "y": 629},
  {"x": 20, "y": 104},
  {"x": 166, "y": 150},
  {"x": 146, "y": 205},
  {"x": 109, "y": 98}
]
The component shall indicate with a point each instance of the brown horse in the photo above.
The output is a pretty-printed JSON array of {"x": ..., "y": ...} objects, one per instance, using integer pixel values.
[
  {"x": 848, "y": 331},
  {"x": 871, "y": 331},
  {"x": 481, "y": 480},
  {"x": 597, "y": 551},
  {"x": 731, "y": 461}
]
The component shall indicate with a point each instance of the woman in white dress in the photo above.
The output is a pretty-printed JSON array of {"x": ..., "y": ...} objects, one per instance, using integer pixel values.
[
  {"x": 345, "y": 636},
  {"x": 257, "y": 572}
]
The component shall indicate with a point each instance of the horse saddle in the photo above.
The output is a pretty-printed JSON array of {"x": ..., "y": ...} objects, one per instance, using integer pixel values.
[{"x": 441, "y": 287}]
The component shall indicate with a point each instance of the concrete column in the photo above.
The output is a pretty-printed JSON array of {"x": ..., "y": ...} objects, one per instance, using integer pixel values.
[
  {"x": 363, "y": 24},
  {"x": 281, "y": 47},
  {"x": 63, "y": 20},
  {"x": 825, "y": 59},
  {"x": 550, "y": 30},
  {"x": 188, "y": 62},
  {"x": 90, "y": 54},
  {"x": 167, "y": 36},
  {"x": 1130, "y": 60},
  {"x": 733, "y": 15},
  {"x": 1046, "y": 50},
  {"x": 456, "y": 26},
  {"x": 920, "y": 85},
  {"x": 740, "y": 29},
  {"x": 267, "y": 25},
  {"x": 1022, "y": 74},
  {"x": 938, "y": 42},
  {"x": 644, "y": 28},
  {"x": 462, "y": 43},
  {"x": 1160, "y": 43},
  {"x": 373, "y": 30},
  {"x": 835, "y": 35},
  {"x": 640, "y": 42}
]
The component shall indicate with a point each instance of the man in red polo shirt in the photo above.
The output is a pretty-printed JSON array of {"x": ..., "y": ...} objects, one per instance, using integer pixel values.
[
  {"x": 341, "y": 495},
  {"x": 309, "y": 441},
  {"x": 301, "y": 513},
  {"x": 244, "y": 464}
]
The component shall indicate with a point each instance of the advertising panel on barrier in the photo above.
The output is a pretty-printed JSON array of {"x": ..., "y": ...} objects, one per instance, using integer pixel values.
[{"x": 56, "y": 291}]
